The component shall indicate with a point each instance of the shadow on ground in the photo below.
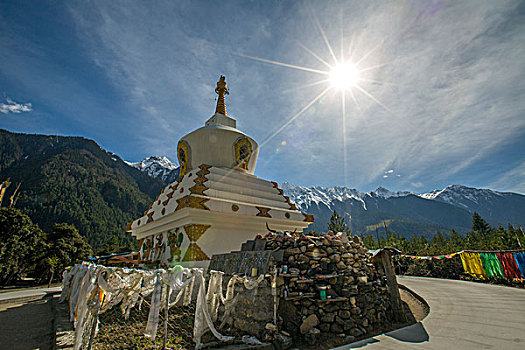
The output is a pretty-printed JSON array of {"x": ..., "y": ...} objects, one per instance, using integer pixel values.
[
  {"x": 27, "y": 324},
  {"x": 415, "y": 333}
]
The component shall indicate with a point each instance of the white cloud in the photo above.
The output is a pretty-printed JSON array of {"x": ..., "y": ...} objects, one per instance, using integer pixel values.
[
  {"x": 165, "y": 61},
  {"x": 512, "y": 180},
  {"x": 11, "y": 106}
]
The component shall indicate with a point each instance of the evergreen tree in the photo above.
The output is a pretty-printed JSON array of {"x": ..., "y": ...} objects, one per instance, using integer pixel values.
[
  {"x": 369, "y": 241},
  {"x": 479, "y": 225},
  {"x": 438, "y": 243},
  {"x": 66, "y": 248},
  {"x": 454, "y": 242},
  {"x": 112, "y": 246},
  {"x": 337, "y": 223},
  {"x": 512, "y": 237},
  {"x": 423, "y": 247},
  {"x": 21, "y": 245}
]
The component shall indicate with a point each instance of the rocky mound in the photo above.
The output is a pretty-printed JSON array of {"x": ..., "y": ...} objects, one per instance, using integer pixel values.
[
  {"x": 326, "y": 287},
  {"x": 331, "y": 286}
]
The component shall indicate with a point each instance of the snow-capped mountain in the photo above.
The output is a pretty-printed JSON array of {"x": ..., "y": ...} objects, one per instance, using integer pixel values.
[
  {"x": 159, "y": 167},
  {"x": 407, "y": 212},
  {"x": 498, "y": 207},
  {"x": 462, "y": 195},
  {"x": 384, "y": 193},
  {"x": 303, "y": 197}
]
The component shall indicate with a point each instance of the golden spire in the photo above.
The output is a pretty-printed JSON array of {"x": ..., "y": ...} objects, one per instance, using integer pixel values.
[{"x": 221, "y": 90}]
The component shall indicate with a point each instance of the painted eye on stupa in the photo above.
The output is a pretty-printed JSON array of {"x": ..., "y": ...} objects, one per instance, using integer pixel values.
[
  {"x": 244, "y": 152},
  {"x": 182, "y": 156}
]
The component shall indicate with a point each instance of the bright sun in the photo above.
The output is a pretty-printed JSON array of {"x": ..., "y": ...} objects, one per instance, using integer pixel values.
[{"x": 344, "y": 76}]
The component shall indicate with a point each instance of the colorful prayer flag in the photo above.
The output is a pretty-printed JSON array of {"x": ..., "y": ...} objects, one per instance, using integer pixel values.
[{"x": 472, "y": 265}]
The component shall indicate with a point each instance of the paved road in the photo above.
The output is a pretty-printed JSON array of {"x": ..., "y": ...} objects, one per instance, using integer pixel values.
[
  {"x": 463, "y": 315},
  {"x": 26, "y": 317},
  {"x": 28, "y": 293}
]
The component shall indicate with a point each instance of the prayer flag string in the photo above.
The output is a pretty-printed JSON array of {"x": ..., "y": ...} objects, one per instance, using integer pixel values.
[{"x": 484, "y": 264}]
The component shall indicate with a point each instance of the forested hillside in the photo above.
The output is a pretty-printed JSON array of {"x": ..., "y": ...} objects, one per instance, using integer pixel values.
[{"x": 73, "y": 180}]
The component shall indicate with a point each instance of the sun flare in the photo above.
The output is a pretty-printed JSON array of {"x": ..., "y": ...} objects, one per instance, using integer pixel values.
[{"x": 344, "y": 76}]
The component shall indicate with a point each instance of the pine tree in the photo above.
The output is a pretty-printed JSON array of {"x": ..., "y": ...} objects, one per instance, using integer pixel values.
[
  {"x": 337, "y": 223},
  {"x": 454, "y": 243},
  {"x": 479, "y": 225},
  {"x": 66, "y": 248},
  {"x": 438, "y": 243},
  {"x": 21, "y": 245},
  {"x": 369, "y": 241}
]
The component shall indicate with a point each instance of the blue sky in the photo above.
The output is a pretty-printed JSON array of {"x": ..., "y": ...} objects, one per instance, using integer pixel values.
[{"x": 442, "y": 99}]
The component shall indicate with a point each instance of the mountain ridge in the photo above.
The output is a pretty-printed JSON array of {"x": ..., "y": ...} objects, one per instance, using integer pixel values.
[{"x": 73, "y": 180}]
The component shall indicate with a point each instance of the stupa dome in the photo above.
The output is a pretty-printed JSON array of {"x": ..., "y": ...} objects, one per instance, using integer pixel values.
[{"x": 218, "y": 143}]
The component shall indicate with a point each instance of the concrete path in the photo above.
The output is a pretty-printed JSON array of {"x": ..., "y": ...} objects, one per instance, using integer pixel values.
[{"x": 463, "y": 315}]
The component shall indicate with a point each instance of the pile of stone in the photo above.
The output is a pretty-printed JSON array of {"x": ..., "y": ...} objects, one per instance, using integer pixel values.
[
  {"x": 326, "y": 285},
  {"x": 330, "y": 285}
]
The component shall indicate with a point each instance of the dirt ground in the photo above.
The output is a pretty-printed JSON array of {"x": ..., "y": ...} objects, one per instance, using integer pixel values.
[
  {"x": 117, "y": 333},
  {"x": 418, "y": 309},
  {"x": 27, "y": 324}
]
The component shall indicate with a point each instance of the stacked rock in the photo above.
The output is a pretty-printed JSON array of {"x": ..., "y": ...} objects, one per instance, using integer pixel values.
[{"x": 328, "y": 284}]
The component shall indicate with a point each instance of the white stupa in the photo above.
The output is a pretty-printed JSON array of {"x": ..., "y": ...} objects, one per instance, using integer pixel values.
[{"x": 217, "y": 203}]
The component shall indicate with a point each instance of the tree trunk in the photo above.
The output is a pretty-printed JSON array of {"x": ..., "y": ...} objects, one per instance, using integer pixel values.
[
  {"x": 10, "y": 278},
  {"x": 50, "y": 279}
]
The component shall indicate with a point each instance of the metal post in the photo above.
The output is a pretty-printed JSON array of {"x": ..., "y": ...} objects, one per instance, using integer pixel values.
[
  {"x": 166, "y": 317},
  {"x": 94, "y": 311},
  {"x": 274, "y": 292}
]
